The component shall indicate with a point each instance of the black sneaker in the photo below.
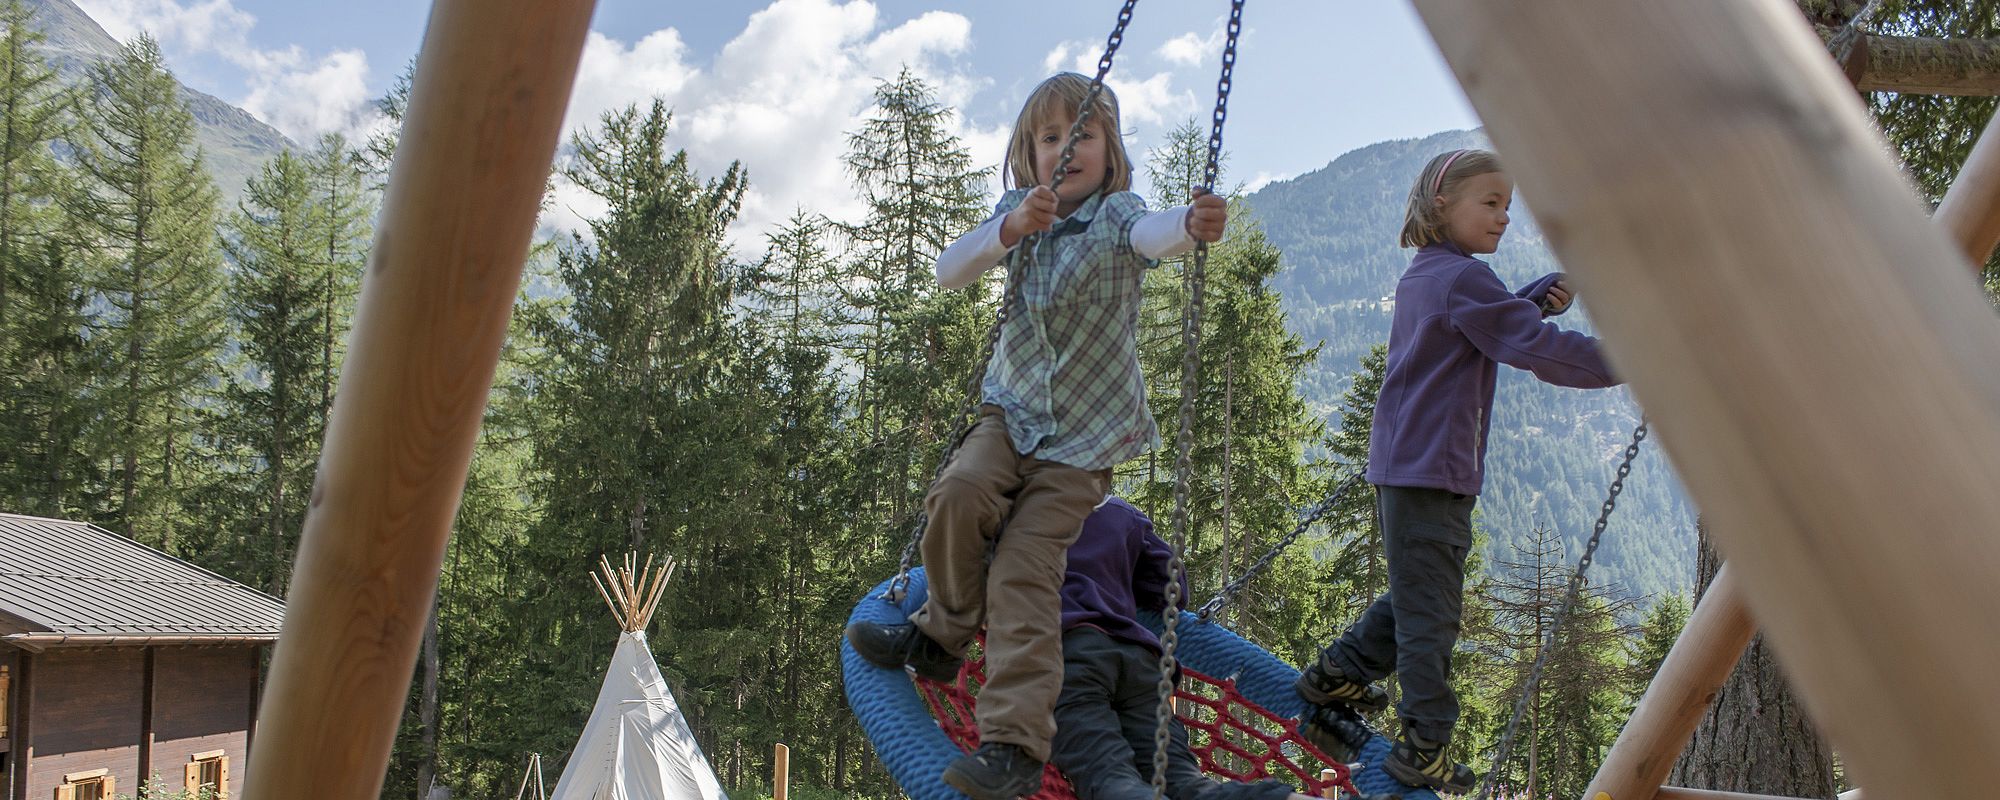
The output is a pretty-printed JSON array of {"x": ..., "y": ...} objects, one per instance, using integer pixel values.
[
  {"x": 1336, "y": 730},
  {"x": 995, "y": 771},
  {"x": 902, "y": 644},
  {"x": 1323, "y": 684},
  {"x": 1418, "y": 763}
]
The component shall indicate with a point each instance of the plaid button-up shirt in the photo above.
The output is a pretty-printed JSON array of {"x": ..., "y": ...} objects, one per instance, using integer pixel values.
[{"x": 1066, "y": 369}]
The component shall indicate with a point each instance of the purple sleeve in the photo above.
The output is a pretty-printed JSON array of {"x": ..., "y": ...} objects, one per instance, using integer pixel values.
[
  {"x": 1155, "y": 568},
  {"x": 1538, "y": 291},
  {"x": 1510, "y": 330}
]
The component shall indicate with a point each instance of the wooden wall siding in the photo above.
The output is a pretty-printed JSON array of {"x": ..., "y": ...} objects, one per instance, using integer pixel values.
[
  {"x": 86, "y": 715},
  {"x": 203, "y": 703},
  {"x": 7, "y": 702}
]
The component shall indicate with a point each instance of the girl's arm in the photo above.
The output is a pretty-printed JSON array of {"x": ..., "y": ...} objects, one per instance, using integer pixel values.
[
  {"x": 1162, "y": 234},
  {"x": 1510, "y": 330},
  {"x": 976, "y": 252}
]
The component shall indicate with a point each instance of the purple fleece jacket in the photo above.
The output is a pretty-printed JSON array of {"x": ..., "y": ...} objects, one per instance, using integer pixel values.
[
  {"x": 1116, "y": 567},
  {"x": 1454, "y": 322}
]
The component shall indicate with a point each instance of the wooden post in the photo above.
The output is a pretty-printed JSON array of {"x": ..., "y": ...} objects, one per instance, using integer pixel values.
[
  {"x": 486, "y": 108},
  {"x": 22, "y": 736},
  {"x": 1695, "y": 669},
  {"x": 1970, "y": 212},
  {"x": 781, "y": 772},
  {"x": 149, "y": 691},
  {"x": 1798, "y": 331},
  {"x": 1330, "y": 792}
]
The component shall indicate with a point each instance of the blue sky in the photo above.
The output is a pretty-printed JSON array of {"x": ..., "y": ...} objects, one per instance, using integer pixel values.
[{"x": 777, "y": 84}]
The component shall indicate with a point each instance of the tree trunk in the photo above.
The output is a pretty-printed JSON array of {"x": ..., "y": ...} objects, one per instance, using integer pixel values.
[
  {"x": 1756, "y": 736},
  {"x": 427, "y": 709}
]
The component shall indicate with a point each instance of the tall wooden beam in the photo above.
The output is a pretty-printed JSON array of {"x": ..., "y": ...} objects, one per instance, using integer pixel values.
[
  {"x": 486, "y": 108},
  {"x": 1801, "y": 334},
  {"x": 1970, "y": 212},
  {"x": 1680, "y": 693}
]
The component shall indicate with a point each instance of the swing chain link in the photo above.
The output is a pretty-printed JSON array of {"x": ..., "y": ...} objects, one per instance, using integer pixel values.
[
  {"x": 1195, "y": 282},
  {"x": 1312, "y": 517},
  {"x": 1506, "y": 746},
  {"x": 1017, "y": 268}
]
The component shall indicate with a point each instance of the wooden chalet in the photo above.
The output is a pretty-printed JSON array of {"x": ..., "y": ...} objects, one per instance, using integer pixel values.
[{"x": 119, "y": 663}]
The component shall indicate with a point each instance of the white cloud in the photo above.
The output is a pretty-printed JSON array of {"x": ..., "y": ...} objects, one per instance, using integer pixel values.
[
  {"x": 1190, "y": 49},
  {"x": 781, "y": 97},
  {"x": 1262, "y": 180},
  {"x": 1148, "y": 99},
  {"x": 309, "y": 99},
  {"x": 300, "y": 95}
]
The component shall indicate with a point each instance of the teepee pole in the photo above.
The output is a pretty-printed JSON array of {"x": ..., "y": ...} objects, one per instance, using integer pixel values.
[
  {"x": 486, "y": 108},
  {"x": 1800, "y": 333},
  {"x": 1970, "y": 212}
]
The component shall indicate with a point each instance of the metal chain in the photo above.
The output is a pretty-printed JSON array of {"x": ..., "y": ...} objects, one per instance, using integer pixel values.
[
  {"x": 1017, "y": 268},
  {"x": 1195, "y": 282},
  {"x": 1562, "y": 613},
  {"x": 1229, "y": 592}
]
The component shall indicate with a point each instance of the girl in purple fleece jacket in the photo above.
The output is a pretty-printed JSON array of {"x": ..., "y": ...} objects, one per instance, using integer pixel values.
[{"x": 1455, "y": 322}]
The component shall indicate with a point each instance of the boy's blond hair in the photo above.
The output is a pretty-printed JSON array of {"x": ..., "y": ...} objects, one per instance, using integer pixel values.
[
  {"x": 1423, "y": 220},
  {"x": 1057, "y": 99}
]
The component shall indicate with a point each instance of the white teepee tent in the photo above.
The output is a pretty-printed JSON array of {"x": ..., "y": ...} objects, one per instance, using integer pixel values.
[{"x": 637, "y": 745}]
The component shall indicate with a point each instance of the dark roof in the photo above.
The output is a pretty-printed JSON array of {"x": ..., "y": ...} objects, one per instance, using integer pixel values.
[{"x": 72, "y": 579}]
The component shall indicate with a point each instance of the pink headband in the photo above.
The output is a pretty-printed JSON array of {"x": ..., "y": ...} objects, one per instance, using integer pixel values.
[{"x": 1438, "y": 184}]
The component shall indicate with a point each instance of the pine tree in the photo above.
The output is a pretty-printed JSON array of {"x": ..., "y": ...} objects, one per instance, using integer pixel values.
[
  {"x": 34, "y": 112},
  {"x": 1580, "y": 701},
  {"x": 272, "y": 421},
  {"x": 149, "y": 207},
  {"x": 916, "y": 342},
  {"x": 1248, "y": 477},
  {"x": 642, "y": 443},
  {"x": 48, "y": 370}
]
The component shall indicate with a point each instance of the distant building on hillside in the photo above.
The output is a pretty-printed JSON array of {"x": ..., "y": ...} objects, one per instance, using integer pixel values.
[{"x": 119, "y": 663}]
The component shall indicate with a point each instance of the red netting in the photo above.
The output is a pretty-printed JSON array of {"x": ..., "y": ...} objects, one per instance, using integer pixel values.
[{"x": 1234, "y": 737}]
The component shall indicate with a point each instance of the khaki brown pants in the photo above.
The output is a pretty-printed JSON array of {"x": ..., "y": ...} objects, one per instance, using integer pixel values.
[{"x": 985, "y": 481}]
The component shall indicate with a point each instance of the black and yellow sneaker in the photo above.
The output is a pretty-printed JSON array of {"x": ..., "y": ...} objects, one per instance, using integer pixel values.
[
  {"x": 1336, "y": 730},
  {"x": 901, "y": 644},
  {"x": 995, "y": 771},
  {"x": 1323, "y": 684},
  {"x": 1420, "y": 763}
]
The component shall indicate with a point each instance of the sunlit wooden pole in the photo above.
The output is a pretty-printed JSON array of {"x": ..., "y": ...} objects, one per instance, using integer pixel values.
[
  {"x": 1802, "y": 336},
  {"x": 1970, "y": 212},
  {"x": 1680, "y": 694},
  {"x": 486, "y": 106}
]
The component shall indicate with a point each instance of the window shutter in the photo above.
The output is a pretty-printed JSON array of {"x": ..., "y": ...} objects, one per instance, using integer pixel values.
[
  {"x": 222, "y": 788},
  {"x": 191, "y": 777},
  {"x": 65, "y": 793},
  {"x": 110, "y": 787}
]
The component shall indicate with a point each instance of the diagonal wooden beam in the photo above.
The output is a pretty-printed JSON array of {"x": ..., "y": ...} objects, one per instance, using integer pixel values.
[
  {"x": 486, "y": 109},
  {"x": 1782, "y": 307},
  {"x": 1970, "y": 212},
  {"x": 1679, "y": 695}
]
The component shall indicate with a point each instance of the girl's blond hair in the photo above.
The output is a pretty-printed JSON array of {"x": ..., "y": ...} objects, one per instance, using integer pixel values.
[
  {"x": 1423, "y": 220},
  {"x": 1057, "y": 99}
]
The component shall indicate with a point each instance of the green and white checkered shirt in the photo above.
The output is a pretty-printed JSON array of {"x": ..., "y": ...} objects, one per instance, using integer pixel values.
[{"x": 1066, "y": 369}]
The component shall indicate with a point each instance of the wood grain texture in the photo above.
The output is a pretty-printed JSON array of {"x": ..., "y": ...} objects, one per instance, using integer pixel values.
[
  {"x": 1816, "y": 358},
  {"x": 486, "y": 106},
  {"x": 1679, "y": 695}
]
